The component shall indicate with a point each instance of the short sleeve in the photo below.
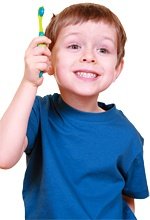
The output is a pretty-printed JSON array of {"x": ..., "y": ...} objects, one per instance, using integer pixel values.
[
  {"x": 33, "y": 125},
  {"x": 135, "y": 180}
]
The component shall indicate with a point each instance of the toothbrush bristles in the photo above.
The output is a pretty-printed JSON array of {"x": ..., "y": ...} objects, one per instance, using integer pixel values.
[{"x": 41, "y": 11}]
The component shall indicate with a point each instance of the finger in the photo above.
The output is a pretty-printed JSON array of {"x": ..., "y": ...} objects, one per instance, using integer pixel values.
[
  {"x": 39, "y": 40},
  {"x": 41, "y": 51},
  {"x": 44, "y": 67},
  {"x": 42, "y": 59}
]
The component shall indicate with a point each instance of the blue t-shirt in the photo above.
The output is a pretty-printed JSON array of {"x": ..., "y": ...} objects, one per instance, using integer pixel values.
[{"x": 79, "y": 163}]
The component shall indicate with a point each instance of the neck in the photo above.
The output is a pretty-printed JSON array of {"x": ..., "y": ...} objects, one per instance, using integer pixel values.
[{"x": 82, "y": 103}]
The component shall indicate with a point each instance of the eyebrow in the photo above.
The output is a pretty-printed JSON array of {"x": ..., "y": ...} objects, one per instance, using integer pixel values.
[
  {"x": 77, "y": 33},
  {"x": 109, "y": 39},
  {"x": 72, "y": 33}
]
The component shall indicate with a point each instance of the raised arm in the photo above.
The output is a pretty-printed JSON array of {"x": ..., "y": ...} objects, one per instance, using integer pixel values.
[{"x": 13, "y": 124}]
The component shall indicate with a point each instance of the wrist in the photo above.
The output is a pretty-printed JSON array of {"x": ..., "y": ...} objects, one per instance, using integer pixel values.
[{"x": 29, "y": 86}]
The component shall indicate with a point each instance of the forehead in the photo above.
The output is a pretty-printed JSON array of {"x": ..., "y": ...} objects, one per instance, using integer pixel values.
[{"x": 90, "y": 29}]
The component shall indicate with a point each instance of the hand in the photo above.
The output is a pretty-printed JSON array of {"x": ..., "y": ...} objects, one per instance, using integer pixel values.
[{"x": 37, "y": 58}]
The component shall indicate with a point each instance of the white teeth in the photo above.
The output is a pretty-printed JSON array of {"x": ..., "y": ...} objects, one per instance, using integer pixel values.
[{"x": 86, "y": 75}]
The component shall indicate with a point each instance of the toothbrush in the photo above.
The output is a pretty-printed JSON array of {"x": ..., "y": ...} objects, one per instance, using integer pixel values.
[{"x": 41, "y": 32}]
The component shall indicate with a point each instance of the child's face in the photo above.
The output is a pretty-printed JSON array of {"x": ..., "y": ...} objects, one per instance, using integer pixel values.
[{"x": 84, "y": 58}]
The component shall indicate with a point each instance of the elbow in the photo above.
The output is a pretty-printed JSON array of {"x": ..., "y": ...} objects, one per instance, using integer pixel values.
[
  {"x": 6, "y": 164},
  {"x": 8, "y": 159},
  {"x": 4, "y": 167}
]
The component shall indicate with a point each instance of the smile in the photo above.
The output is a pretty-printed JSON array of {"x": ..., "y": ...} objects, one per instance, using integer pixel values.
[{"x": 86, "y": 75}]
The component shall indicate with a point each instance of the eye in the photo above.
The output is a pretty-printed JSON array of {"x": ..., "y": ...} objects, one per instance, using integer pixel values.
[
  {"x": 74, "y": 46},
  {"x": 103, "y": 50}
]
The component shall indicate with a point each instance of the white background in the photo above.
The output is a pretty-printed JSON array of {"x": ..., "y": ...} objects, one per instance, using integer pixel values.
[{"x": 19, "y": 24}]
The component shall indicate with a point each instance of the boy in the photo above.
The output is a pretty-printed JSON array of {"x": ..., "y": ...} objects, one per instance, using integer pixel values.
[{"x": 84, "y": 158}]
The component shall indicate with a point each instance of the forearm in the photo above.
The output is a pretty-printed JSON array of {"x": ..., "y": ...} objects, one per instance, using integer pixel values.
[{"x": 13, "y": 125}]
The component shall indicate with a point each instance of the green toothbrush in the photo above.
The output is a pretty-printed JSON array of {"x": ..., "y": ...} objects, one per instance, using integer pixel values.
[{"x": 41, "y": 32}]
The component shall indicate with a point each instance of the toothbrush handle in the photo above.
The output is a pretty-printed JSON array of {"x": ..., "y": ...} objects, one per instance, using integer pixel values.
[
  {"x": 41, "y": 33},
  {"x": 41, "y": 72}
]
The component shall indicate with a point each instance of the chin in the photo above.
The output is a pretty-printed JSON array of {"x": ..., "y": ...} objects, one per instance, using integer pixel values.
[{"x": 87, "y": 94}]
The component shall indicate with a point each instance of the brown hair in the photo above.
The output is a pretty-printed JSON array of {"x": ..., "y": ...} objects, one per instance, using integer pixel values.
[{"x": 83, "y": 12}]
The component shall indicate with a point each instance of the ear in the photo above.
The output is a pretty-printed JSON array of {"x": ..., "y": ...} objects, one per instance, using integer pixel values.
[
  {"x": 51, "y": 70},
  {"x": 118, "y": 69}
]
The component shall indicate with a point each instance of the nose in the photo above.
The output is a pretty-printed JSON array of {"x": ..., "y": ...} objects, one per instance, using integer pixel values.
[
  {"x": 88, "y": 57},
  {"x": 88, "y": 60}
]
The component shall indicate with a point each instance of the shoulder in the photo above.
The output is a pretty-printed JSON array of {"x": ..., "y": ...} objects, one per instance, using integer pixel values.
[
  {"x": 124, "y": 129},
  {"x": 128, "y": 125},
  {"x": 46, "y": 100},
  {"x": 119, "y": 119},
  {"x": 130, "y": 134}
]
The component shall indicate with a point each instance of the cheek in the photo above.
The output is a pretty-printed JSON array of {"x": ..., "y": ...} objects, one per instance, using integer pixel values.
[
  {"x": 59, "y": 62},
  {"x": 111, "y": 66},
  {"x": 60, "y": 71},
  {"x": 110, "y": 72},
  {"x": 60, "y": 68}
]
